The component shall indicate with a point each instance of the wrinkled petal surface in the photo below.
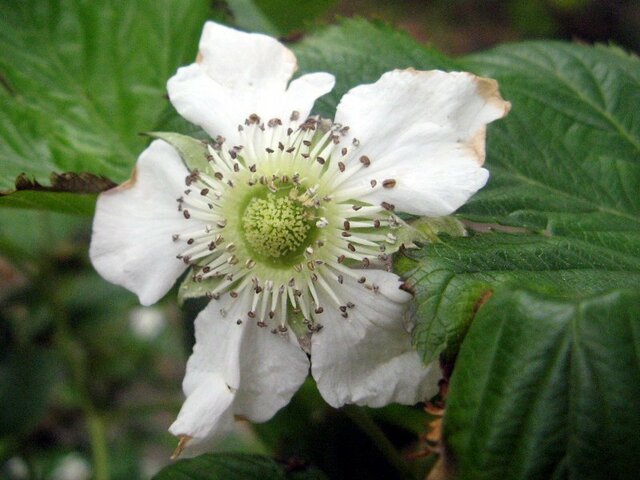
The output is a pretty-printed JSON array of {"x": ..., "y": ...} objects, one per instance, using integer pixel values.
[
  {"x": 238, "y": 74},
  {"x": 426, "y": 131},
  {"x": 244, "y": 369},
  {"x": 132, "y": 243},
  {"x": 367, "y": 358}
]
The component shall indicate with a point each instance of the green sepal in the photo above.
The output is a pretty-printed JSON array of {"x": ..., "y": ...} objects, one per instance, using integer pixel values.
[
  {"x": 191, "y": 288},
  {"x": 192, "y": 151}
]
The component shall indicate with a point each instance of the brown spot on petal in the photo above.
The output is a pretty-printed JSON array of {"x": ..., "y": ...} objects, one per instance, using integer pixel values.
[
  {"x": 488, "y": 89},
  {"x": 477, "y": 144}
]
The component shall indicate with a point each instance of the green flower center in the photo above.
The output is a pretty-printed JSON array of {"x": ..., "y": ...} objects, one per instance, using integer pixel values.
[{"x": 277, "y": 227}]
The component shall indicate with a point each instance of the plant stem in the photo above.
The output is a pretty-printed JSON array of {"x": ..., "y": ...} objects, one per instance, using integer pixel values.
[
  {"x": 98, "y": 445},
  {"x": 362, "y": 419}
]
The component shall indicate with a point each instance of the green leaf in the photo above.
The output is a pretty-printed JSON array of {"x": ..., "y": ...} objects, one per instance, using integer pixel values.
[
  {"x": 236, "y": 466},
  {"x": 566, "y": 160},
  {"x": 453, "y": 278},
  {"x": 548, "y": 388},
  {"x": 276, "y": 17},
  {"x": 357, "y": 52},
  {"x": 80, "y": 80}
]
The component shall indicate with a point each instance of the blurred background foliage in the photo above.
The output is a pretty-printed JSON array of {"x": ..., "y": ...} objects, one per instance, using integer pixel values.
[{"x": 89, "y": 377}]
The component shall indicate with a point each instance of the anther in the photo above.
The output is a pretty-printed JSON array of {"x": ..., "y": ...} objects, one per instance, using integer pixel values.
[
  {"x": 319, "y": 310},
  {"x": 343, "y": 151},
  {"x": 365, "y": 160},
  {"x": 388, "y": 206},
  {"x": 341, "y": 166},
  {"x": 347, "y": 225},
  {"x": 389, "y": 183},
  {"x": 351, "y": 247},
  {"x": 204, "y": 192},
  {"x": 186, "y": 214},
  {"x": 373, "y": 183}
]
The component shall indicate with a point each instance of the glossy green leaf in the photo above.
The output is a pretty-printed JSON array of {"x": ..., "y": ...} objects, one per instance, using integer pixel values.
[
  {"x": 236, "y": 466},
  {"x": 80, "y": 80},
  {"x": 548, "y": 388}
]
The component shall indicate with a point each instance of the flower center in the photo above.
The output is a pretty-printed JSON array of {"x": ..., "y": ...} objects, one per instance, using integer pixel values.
[{"x": 277, "y": 227}]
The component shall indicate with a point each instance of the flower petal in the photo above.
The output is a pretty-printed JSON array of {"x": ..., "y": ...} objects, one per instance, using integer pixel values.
[
  {"x": 132, "y": 244},
  {"x": 261, "y": 371},
  {"x": 206, "y": 415},
  {"x": 367, "y": 358},
  {"x": 426, "y": 131},
  {"x": 238, "y": 74},
  {"x": 272, "y": 370}
]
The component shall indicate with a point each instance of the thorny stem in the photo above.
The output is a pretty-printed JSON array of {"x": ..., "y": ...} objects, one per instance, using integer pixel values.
[{"x": 362, "y": 419}]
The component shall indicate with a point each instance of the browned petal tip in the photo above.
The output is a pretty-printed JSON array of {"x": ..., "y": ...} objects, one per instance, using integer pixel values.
[
  {"x": 182, "y": 443},
  {"x": 489, "y": 89}
]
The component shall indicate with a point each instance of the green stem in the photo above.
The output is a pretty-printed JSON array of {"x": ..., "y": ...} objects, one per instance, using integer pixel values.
[
  {"x": 362, "y": 419},
  {"x": 98, "y": 446}
]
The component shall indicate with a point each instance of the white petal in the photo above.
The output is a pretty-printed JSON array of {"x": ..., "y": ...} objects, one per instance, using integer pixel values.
[
  {"x": 206, "y": 415},
  {"x": 132, "y": 243},
  {"x": 426, "y": 131},
  {"x": 272, "y": 370},
  {"x": 261, "y": 370},
  {"x": 367, "y": 358},
  {"x": 238, "y": 74}
]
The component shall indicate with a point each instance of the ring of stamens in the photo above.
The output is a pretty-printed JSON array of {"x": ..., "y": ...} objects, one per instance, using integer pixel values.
[{"x": 275, "y": 202}]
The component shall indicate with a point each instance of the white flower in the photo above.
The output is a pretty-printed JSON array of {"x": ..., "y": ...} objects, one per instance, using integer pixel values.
[{"x": 286, "y": 207}]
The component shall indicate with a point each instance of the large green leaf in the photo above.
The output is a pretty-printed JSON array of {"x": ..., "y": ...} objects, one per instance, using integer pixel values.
[
  {"x": 80, "y": 80},
  {"x": 359, "y": 52},
  {"x": 236, "y": 466},
  {"x": 566, "y": 160},
  {"x": 548, "y": 388},
  {"x": 453, "y": 278}
]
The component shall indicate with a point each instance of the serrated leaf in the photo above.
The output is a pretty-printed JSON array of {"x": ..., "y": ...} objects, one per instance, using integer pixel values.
[
  {"x": 566, "y": 160},
  {"x": 81, "y": 80},
  {"x": 452, "y": 278},
  {"x": 357, "y": 52},
  {"x": 548, "y": 388},
  {"x": 236, "y": 466}
]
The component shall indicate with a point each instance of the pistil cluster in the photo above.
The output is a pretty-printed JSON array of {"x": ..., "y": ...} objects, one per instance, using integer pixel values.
[{"x": 279, "y": 227}]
